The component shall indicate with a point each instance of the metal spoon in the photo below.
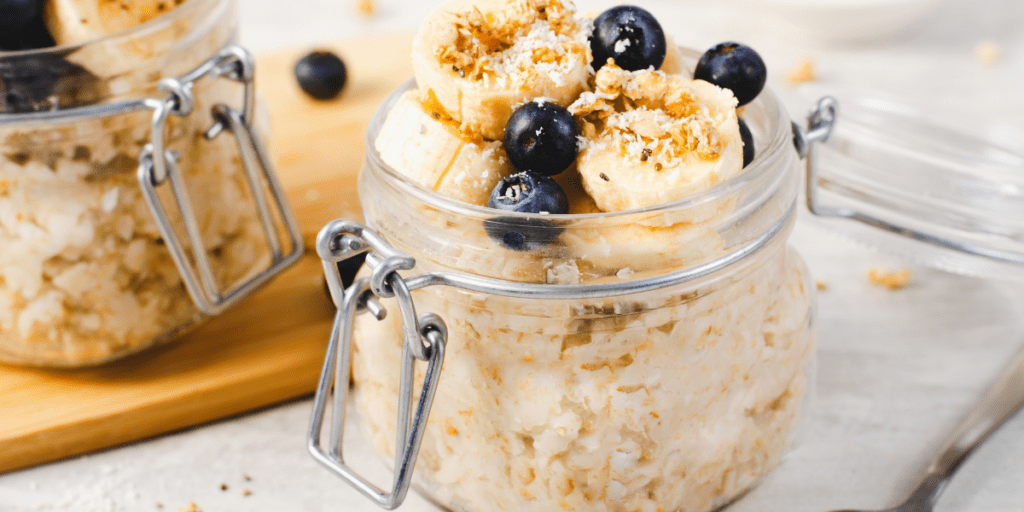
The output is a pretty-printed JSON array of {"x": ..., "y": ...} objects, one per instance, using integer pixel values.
[{"x": 1000, "y": 402}]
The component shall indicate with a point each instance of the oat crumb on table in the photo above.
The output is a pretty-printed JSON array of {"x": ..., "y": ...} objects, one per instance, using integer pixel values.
[
  {"x": 223, "y": 487},
  {"x": 247, "y": 492},
  {"x": 891, "y": 280},
  {"x": 988, "y": 52},
  {"x": 191, "y": 507},
  {"x": 365, "y": 7},
  {"x": 820, "y": 285},
  {"x": 803, "y": 72}
]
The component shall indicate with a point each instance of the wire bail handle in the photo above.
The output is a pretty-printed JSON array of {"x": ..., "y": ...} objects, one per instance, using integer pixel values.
[
  {"x": 820, "y": 124},
  {"x": 424, "y": 339},
  {"x": 158, "y": 165}
]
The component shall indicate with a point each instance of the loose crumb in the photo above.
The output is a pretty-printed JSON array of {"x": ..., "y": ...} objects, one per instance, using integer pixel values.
[
  {"x": 988, "y": 52},
  {"x": 159, "y": 505},
  {"x": 803, "y": 72},
  {"x": 891, "y": 280},
  {"x": 365, "y": 7},
  {"x": 821, "y": 285},
  {"x": 247, "y": 478},
  {"x": 191, "y": 507},
  {"x": 247, "y": 492},
  {"x": 223, "y": 487}
]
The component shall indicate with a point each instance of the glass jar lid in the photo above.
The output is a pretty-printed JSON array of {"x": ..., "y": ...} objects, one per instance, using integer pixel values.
[{"x": 944, "y": 195}]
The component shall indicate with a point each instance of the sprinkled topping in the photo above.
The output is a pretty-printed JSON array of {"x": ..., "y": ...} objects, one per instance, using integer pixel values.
[
  {"x": 515, "y": 47},
  {"x": 650, "y": 115}
]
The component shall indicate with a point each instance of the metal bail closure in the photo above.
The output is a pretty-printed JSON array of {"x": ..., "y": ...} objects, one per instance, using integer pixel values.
[
  {"x": 424, "y": 339},
  {"x": 157, "y": 165},
  {"x": 820, "y": 126}
]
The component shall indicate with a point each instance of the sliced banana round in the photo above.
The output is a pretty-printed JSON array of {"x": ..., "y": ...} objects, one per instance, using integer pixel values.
[
  {"x": 419, "y": 141},
  {"x": 78, "y": 21},
  {"x": 650, "y": 138},
  {"x": 481, "y": 58},
  {"x": 673, "y": 64}
]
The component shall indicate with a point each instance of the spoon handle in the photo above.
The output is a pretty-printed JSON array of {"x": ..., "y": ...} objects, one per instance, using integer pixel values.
[{"x": 1001, "y": 400}]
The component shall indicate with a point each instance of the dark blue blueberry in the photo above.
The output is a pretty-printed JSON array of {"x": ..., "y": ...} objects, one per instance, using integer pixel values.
[
  {"x": 321, "y": 74},
  {"x": 16, "y": 14},
  {"x": 42, "y": 81},
  {"x": 520, "y": 234},
  {"x": 748, "y": 143},
  {"x": 31, "y": 36},
  {"x": 526, "y": 193},
  {"x": 735, "y": 67},
  {"x": 540, "y": 137},
  {"x": 631, "y": 36}
]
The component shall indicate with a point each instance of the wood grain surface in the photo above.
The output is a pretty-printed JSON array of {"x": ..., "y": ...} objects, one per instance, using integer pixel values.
[{"x": 265, "y": 351}]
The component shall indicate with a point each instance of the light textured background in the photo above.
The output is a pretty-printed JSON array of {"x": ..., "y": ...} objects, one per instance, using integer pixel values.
[{"x": 895, "y": 370}]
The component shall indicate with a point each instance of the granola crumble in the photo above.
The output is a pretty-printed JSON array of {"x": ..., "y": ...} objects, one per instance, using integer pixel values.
[
  {"x": 893, "y": 280},
  {"x": 513, "y": 47},
  {"x": 650, "y": 115}
]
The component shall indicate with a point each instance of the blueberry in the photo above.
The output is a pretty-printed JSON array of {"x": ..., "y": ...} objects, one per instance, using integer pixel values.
[
  {"x": 735, "y": 67},
  {"x": 31, "y": 36},
  {"x": 42, "y": 81},
  {"x": 631, "y": 36},
  {"x": 748, "y": 143},
  {"x": 16, "y": 14},
  {"x": 526, "y": 193},
  {"x": 540, "y": 137},
  {"x": 321, "y": 74},
  {"x": 521, "y": 234}
]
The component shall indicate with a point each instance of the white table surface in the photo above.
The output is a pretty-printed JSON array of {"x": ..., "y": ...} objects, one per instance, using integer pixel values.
[{"x": 895, "y": 368}]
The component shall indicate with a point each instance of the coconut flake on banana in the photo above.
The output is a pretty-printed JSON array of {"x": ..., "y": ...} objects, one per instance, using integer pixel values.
[
  {"x": 482, "y": 57},
  {"x": 649, "y": 138},
  {"x": 419, "y": 141}
]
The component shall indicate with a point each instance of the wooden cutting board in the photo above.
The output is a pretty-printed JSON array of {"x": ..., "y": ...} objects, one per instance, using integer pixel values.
[{"x": 267, "y": 350}]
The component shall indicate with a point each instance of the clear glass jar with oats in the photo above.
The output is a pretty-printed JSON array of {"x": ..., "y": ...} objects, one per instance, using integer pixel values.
[
  {"x": 648, "y": 348},
  {"x": 135, "y": 196},
  {"x": 635, "y": 334}
]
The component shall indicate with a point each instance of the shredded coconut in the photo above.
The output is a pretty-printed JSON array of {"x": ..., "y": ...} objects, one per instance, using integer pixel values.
[{"x": 517, "y": 46}]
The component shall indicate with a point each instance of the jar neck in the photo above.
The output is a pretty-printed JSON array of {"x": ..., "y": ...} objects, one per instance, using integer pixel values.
[{"x": 716, "y": 226}]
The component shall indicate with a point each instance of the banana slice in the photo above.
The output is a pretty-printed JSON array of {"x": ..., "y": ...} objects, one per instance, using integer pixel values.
[
  {"x": 420, "y": 142},
  {"x": 673, "y": 64},
  {"x": 78, "y": 21},
  {"x": 651, "y": 138},
  {"x": 481, "y": 58}
]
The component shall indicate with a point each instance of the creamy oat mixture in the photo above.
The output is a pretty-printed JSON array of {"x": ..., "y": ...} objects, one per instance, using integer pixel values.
[{"x": 675, "y": 399}]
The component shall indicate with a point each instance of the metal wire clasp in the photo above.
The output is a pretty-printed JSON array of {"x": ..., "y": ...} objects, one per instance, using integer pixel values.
[
  {"x": 820, "y": 124},
  {"x": 424, "y": 339},
  {"x": 158, "y": 165}
]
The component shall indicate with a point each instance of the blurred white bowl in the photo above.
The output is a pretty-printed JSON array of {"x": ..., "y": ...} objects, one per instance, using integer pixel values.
[{"x": 850, "y": 20}]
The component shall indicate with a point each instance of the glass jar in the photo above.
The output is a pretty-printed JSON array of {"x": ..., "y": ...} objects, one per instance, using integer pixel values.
[
  {"x": 654, "y": 359},
  {"x": 125, "y": 219}
]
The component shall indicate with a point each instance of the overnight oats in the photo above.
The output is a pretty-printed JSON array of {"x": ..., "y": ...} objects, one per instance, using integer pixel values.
[
  {"x": 625, "y": 326},
  {"x": 86, "y": 275}
]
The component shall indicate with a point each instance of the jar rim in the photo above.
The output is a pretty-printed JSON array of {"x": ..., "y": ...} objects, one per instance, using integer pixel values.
[
  {"x": 765, "y": 161},
  {"x": 137, "y": 32}
]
